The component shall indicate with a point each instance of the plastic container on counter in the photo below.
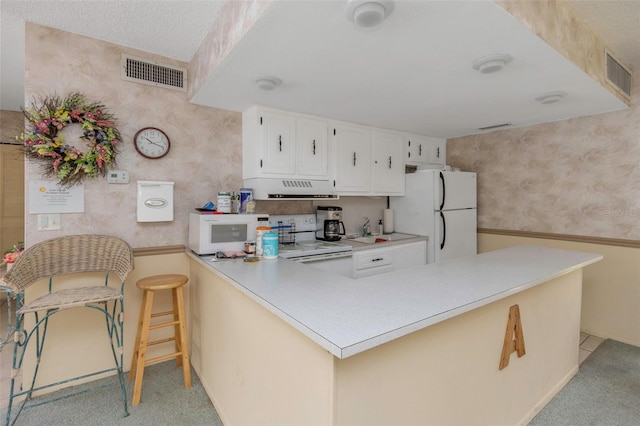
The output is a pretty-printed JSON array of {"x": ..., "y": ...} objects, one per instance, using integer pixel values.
[
  {"x": 260, "y": 231},
  {"x": 270, "y": 245}
]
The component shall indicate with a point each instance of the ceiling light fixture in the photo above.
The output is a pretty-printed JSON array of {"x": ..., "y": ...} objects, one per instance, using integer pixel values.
[
  {"x": 491, "y": 63},
  {"x": 267, "y": 83},
  {"x": 368, "y": 13},
  {"x": 551, "y": 97}
]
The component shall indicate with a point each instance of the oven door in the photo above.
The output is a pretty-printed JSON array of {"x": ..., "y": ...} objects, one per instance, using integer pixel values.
[{"x": 338, "y": 263}]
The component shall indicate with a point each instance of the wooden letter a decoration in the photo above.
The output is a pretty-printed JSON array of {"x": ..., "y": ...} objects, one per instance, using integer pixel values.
[{"x": 513, "y": 337}]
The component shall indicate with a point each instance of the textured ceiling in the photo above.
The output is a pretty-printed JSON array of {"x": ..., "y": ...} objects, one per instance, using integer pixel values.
[{"x": 175, "y": 29}]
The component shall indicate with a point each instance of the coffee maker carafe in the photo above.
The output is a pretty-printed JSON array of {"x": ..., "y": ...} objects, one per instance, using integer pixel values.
[{"x": 329, "y": 225}]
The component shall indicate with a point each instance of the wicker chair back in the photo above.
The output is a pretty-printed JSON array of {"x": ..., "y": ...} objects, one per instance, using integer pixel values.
[{"x": 70, "y": 254}]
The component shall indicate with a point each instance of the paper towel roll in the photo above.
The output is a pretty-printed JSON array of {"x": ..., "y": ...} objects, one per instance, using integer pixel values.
[{"x": 387, "y": 221}]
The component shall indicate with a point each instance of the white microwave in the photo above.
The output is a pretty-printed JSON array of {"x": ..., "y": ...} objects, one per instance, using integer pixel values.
[{"x": 211, "y": 233}]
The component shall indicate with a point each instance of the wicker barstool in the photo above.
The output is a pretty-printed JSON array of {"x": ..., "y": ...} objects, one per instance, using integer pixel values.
[{"x": 50, "y": 259}]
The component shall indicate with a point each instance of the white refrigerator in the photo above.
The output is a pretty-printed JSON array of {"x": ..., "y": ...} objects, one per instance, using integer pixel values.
[{"x": 442, "y": 206}]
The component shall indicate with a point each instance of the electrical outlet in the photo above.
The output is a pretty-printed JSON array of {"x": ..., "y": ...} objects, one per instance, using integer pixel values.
[
  {"x": 117, "y": 176},
  {"x": 49, "y": 222}
]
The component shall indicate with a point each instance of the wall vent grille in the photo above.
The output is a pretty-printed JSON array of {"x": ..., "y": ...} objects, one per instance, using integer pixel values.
[
  {"x": 154, "y": 74},
  {"x": 617, "y": 75}
]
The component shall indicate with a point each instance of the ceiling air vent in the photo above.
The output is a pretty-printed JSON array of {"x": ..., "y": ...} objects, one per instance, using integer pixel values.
[
  {"x": 618, "y": 76},
  {"x": 495, "y": 126},
  {"x": 154, "y": 74}
]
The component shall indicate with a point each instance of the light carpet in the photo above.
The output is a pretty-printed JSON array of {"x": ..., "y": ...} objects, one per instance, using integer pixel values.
[
  {"x": 165, "y": 401},
  {"x": 606, "y": 391}
]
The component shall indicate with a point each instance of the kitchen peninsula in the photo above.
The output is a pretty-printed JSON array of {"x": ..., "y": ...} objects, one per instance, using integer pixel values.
[{"x": 277, "y": 342}]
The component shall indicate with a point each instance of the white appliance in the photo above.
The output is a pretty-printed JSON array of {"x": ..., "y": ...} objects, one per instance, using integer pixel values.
[
  {"x": 441, "y": 205},
  {"x": 297, "y": 242},
  {"x": 210, "y": 233}
]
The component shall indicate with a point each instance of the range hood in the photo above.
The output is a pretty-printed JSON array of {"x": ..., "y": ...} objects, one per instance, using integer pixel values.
[{"x": 290, "y": 189}]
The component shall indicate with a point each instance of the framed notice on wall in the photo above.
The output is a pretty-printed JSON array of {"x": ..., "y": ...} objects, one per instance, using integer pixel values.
[{"x": 48, "y": 197}]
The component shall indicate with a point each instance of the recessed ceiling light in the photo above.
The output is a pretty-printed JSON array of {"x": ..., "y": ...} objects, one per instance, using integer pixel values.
[
  {"x": 491, "y": 63},
  {"x": 368, "y": 13},
  {"x": 551, "y": 97},
  {"x": 267, "y": 82}
]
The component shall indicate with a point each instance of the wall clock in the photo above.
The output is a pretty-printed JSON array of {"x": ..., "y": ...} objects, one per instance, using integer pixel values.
[{"x": 151, "y": 142}]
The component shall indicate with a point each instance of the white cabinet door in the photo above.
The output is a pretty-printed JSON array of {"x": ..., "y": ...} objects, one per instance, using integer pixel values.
[
  {"x": 416, "y": 150},
  {"x": 437, "y": 151},
  {"x": 352, "y": 159},
  {"x": 278, "y": 146},
  {"x": 409, "y": 255},
  {"x": 312, "y": 147},
  {"x": 387, "y": 176}
]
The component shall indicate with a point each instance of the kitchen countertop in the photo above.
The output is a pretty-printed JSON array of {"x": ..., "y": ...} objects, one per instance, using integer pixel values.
[{"x": 347, "y": 316}]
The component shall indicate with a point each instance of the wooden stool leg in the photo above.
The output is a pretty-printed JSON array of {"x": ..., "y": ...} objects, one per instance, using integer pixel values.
[
  {"x": 176, "y": 328},
  {"x": 136, "y": 346},
  {"x": 183, "y": 339},
  {"x": 142, "y": 350}
]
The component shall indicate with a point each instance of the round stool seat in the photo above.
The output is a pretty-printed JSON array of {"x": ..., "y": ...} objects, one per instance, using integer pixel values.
[{"x": 162, "y": 282}]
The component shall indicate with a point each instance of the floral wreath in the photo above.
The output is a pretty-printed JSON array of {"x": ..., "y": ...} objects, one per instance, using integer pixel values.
[{"x": 44, "y": 143}]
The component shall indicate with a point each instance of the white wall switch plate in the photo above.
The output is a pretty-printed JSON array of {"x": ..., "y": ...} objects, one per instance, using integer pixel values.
[
  {"x": 49, "y": 222},
  {"x": 117, "y": 176}
]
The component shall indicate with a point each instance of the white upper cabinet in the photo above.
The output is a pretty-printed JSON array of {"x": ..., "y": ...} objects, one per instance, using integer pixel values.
[
  {"x": 423, "y": 150},
  {"x": 416, "y": 149},
  {"x": 312, "y": 145},
  {"x": 352, "y": 159},
  {"x": 387, "y": 175},
  {"x": 278, "y": 147},
  {"x": 437, "y": 151},
  {"x": 282, "y": 144},
  {"x": 367, "y": 161}
]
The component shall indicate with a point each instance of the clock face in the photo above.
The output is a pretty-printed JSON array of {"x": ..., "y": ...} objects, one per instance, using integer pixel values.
[{"x": 152, "y": 143}]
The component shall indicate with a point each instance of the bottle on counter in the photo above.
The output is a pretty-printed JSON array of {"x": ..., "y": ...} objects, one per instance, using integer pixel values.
[
  {"x": 251, "y": 205},
  {"x": 380, "y": 227}
]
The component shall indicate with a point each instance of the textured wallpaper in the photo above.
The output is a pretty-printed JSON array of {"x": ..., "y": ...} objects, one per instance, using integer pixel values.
[
  {"x": 206, "y": 143},
  {"x": 10, "y": 123},
  {"x": 577, "y": 177}
]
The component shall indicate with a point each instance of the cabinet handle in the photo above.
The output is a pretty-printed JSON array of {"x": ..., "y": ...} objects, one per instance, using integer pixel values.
[
  {"x": 354, "y": 159},
  {"x": 438, "y": 152},
  {"x": 377, "y": 259},
  {"x": 389, "y": 161},
  {"x": 280, "y": 142},
  {"x": 314, "y": 147},
  {"x": 420, "y": 150}
]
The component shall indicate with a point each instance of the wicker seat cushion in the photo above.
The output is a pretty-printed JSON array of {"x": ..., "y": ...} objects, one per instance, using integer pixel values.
[{"x": 71, "y": 298}]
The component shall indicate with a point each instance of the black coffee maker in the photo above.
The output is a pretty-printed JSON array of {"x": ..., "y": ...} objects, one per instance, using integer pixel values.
[{"x": 329, "y": 225}]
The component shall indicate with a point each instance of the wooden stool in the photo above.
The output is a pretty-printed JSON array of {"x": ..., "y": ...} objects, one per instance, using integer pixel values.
[{"x": 149, "y": 285}]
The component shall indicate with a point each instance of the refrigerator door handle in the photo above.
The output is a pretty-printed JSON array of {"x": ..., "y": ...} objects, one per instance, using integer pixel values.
[
  {"x": 443, "y": 191},
  {"x": 444, "y": 231}
]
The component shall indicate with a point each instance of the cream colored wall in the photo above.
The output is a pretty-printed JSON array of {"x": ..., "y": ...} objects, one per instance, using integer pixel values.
[
  {"x": 256, "y": 369},
  {"x": 448, "y": 374},
  {"x": 76, "y": 339},
  {"x": 611, "y": 291}
]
